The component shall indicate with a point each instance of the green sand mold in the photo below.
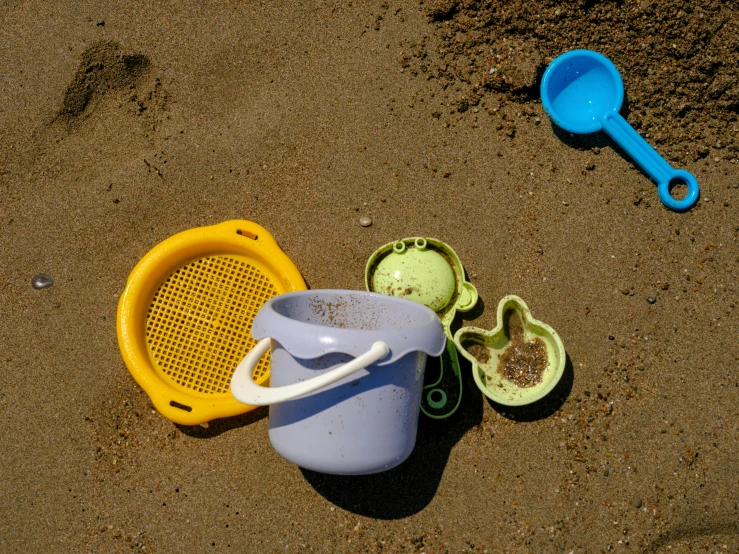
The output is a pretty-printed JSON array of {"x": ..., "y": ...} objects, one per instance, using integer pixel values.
[
  {"x": 424, "y": 270},
  {"x": 487, "y": 376},
  {"x": 429, "y": 272}
]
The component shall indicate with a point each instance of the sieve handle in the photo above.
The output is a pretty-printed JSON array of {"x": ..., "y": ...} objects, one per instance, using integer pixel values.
[{"x": 245, "y": 390}]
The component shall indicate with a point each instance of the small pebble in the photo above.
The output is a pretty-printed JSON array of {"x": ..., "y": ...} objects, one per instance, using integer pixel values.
[
  {"x": 636, "y": 503},
  {"x": 365, "y": 221},
  {"x": 651, "y": 300},
  {"x": 735, "y": 185},
  {"x": 611, "y": 337},
  {"x": 42, "y": 281}
]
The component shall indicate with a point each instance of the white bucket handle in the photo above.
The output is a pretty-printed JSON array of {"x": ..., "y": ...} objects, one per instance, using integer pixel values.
[{"x": 245, "y": 390}]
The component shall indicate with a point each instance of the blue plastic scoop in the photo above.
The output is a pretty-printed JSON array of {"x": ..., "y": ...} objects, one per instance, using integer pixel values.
[{"x": 582, "y": 92}]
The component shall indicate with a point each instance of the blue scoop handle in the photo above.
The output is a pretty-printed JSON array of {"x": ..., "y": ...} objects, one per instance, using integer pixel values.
[{"x": 650, "y": 161}]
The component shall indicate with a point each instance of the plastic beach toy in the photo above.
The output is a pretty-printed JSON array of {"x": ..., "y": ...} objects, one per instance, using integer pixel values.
[
  {"x": 582, "y": 92},
  {"x": 346, "y": 377},
  {"x": 185, "y": 316},
  {"x": 429, "y": 272},
  {"x": 518, "y": 362}
]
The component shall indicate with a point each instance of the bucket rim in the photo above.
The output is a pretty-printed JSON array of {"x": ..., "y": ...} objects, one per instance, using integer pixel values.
[{"x": 308, "y": 340}]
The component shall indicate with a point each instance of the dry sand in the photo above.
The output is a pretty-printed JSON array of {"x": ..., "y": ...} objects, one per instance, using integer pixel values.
[{"x": 305, "y": 118}]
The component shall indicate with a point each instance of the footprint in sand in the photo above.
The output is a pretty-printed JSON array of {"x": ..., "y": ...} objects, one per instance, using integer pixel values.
[
  {"x": 106, "y": 133},
  {"x": 696, "y": 538},
  {"x": 103, "y": 68},
  {"x": 105, "y": 71}
]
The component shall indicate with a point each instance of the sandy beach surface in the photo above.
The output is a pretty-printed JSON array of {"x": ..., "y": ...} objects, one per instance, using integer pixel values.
[{"x": 124, "y": 123}]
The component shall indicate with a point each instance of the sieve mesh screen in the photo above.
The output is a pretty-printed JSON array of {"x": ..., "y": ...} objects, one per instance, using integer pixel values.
[{"x": 198, "y": 327}]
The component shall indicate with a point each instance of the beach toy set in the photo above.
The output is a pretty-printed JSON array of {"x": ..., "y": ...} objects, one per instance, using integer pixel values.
[
  {"x": 217, "y": 320},
  {"x": 211, "y": 315}
]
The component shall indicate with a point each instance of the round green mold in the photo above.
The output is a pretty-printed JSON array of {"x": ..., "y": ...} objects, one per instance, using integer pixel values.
[
  {"x": 429, "y": 272},
  {"x": 425, "y": 270},
  {"x": 417, "y": 273}
]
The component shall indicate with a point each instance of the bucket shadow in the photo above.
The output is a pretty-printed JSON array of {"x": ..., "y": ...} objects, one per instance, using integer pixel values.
[
  {"x": 547, "y": 406},
  {"x": 410, "y": 487},
  {"x": 220, "y": 426}
]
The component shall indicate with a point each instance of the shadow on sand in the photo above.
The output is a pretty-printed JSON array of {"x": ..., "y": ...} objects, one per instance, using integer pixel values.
[
  {"x": 410, "y": 487},
  {"x": 219, "y": 426}
]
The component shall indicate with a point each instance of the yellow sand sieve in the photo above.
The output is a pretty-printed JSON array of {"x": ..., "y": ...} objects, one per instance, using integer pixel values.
[{"x": 184, "y": 319}]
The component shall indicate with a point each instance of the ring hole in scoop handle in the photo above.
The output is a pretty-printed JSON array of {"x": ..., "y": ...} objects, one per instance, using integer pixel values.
[
  {"x": 650, "y": 161},
  {"x": 246, "y": 391}
]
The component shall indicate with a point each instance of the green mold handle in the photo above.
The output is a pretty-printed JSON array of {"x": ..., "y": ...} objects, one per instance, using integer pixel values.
[
  {"x": 467, "y": 298},
  {"x": 435, "y": 402}
]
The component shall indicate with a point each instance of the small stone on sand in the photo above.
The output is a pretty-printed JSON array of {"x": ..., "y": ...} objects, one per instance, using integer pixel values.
[{"x": 42, "y": 281}]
